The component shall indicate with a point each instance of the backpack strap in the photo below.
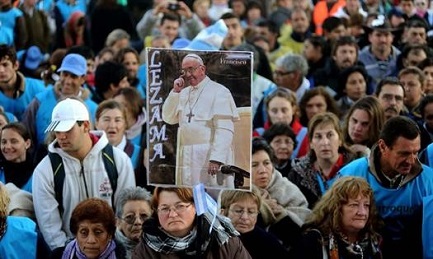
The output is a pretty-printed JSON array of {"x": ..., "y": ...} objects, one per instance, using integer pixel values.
[
  {"x": 59, "y": 177},
  {"x": 110, "y": 167},
  {"x": 59, "y": 173}
]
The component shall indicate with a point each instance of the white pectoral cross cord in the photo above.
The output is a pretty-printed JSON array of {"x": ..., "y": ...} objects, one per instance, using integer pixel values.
[{"x": 191, "y": 107}]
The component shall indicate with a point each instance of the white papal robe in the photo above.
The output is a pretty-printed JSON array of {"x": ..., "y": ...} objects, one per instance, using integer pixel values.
[{"x": 205, "y": 114}]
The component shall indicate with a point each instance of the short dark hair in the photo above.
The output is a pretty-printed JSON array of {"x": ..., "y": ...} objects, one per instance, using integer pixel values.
[
  {"x": 342, "y": 41},
  {"x": 428, "y": 62},
  {"x": 332, "y": 22},
  {"x": 108, "y": 73},
  {"x": 260, "y": 144},
  {"x": 8, "y": 52},
  {"x": 387, "y": 81},
  {"x": 271, "y": 25},
  {"x": 171, "y": 17},
  {"x": 399, "y": 126},
  {"x": 83, "y": 50},
  {"x": 280, "y": 129},
  {"x": 416, "y": 22},
  {"x": 228, "y": 15}
]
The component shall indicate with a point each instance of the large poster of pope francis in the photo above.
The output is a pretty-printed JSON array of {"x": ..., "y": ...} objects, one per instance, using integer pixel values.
[{"x": 199, "y": 114}]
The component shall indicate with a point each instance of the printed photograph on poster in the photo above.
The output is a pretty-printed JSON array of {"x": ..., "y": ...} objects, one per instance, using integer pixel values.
[{"x": 199, "y": 118}]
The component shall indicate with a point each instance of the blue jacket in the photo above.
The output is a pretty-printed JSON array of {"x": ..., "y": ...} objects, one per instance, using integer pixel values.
[
  {"x": 20, "y": 239},
  {"x": 400, "y": 208},
  {"x": 17, "y": 106}
]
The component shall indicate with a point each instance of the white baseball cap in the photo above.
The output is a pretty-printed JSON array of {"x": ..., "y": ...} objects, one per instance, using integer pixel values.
[{"x": 66, "y": 113}]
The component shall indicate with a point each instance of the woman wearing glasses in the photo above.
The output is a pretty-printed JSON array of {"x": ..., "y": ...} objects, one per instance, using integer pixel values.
[
  {"x": 174, "y": 231},
  {"x": 242, "y": 208},
  {"x": 132, "y": 209}
]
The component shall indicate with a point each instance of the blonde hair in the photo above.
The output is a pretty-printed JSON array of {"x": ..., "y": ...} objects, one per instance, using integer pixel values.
[
  {"x": 327, "y": 212},
  {"x": 4, "y": 201}
]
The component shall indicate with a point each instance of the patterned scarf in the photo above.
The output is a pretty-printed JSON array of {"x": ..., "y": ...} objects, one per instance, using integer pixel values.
[
  {"x": 160, "y": 241},
  {"x": 339, "y": 245},
  {"x": 72, "y": 249}
]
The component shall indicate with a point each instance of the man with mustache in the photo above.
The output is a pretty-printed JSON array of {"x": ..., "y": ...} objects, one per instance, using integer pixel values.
[
  {"x": 390, "y": 93},
  {"x": 205, "y": 112},
  {"x": 401, "y": 184},
  {"x": 380, "y": 56}
]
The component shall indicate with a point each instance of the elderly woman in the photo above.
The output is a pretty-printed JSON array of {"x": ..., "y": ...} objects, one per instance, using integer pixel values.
[
  {"x": 111, "y": 118},
  {"x": 283, "y": 141},
  {"x": 284, "y": 207},
  {"x": 343, "y": 223},
  {"x": 315, "y": 172},
  {"x": 93, "y": 224},
  {"x": 363, "y": 124},
  {"x": 242, "y": 208},
  {"x": 175, "y": 231},
  {"x": 132, "y": 209}
]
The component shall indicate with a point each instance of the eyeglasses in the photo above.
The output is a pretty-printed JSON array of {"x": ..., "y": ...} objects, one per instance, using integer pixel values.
[
  {"x": 178, "y": 208},
  {"x": 240, "y": 212},
  {"x": 130, "y": 219},
  {"x": 189, "y": 70},
  {"x": 281, "y": 73}
]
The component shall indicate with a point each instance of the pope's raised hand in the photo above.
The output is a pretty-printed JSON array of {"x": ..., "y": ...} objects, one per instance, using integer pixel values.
[{"x": 178, "y": 85}]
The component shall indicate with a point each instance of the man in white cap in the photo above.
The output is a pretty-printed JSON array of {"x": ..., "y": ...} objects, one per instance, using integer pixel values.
[
  {"x": 72, "y": 77},
  {"x": 205, "y": 111},
  {"x": 85, "y": 172}
]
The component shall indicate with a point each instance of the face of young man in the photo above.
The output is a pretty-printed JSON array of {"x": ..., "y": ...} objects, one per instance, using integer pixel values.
[
  {"x": 381, "y": 41},
  {"x": 413, "y": 89},
  {"x": 345, "y": 56},
  {"x": 170, "y": 29},
  {"x": 235, "y": 33}
]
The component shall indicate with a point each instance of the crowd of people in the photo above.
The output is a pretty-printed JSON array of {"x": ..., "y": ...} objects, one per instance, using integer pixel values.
[{"x": 341, "y": 157}]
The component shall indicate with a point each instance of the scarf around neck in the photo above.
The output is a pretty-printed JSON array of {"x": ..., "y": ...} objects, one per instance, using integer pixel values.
[
  {"x": 72, "y": 250},
  {"x": 160, "y": 241},
  {"x": 128, "y": 243}
]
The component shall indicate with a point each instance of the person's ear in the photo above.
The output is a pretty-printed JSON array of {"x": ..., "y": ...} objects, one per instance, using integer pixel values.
[
  {"x": 382, "y": 146},
  {"x": 87, "y": 126},
  {"x": 28, "y": 143}
]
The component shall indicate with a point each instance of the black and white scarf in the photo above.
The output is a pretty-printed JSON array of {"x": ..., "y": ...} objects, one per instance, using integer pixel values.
[{"x": 159, "y": 240}]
